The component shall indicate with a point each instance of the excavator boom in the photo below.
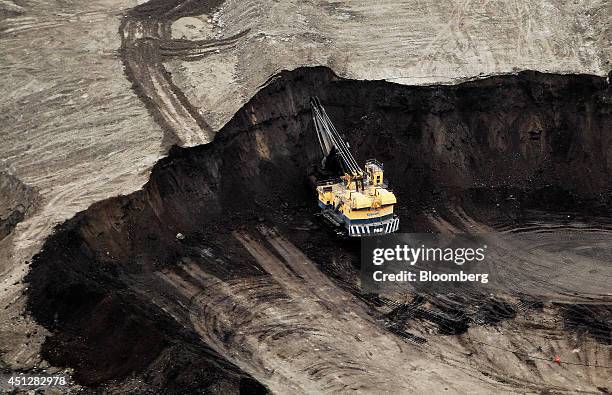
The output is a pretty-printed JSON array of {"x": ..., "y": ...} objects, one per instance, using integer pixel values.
[{"x": 329, "y": 138}]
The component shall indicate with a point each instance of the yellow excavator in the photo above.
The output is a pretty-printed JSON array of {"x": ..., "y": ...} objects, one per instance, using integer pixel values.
[{"x": 358, "y": 203}]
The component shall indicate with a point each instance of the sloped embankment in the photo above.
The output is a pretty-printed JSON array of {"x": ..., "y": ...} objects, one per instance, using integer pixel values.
[
  {"x": 127, "y": 274},
  {"x": 17, "y": 201}
]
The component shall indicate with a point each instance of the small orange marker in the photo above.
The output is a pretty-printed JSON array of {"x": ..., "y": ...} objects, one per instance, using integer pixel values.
[{"x": 557, "y": 360}]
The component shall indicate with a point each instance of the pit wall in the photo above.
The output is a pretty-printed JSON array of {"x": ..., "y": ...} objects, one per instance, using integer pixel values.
[{"x": 528, "y": 132}]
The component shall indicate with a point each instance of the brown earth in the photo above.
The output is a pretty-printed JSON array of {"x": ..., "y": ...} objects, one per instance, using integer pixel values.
[
  {"x": 259, "y": 294},
  {"x": 75, "y": 133}
]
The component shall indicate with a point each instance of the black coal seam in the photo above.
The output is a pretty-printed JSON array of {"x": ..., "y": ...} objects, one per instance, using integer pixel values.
[{"x": 224, "y": 136}]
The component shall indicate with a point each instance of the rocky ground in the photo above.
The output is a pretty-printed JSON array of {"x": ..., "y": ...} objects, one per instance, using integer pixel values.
[{"x": 95, "y": 93}]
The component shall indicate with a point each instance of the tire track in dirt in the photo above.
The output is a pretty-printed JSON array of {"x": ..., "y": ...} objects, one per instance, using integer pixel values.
[
  {"x": 296, "y": 331},
  {"x": 143, "y": 62},
  {"x": 554, "y": 266},
  {"x": 541, "y": 273},
  {"x": 146, "y": 42},
  {"x": 195, "y": 50}
]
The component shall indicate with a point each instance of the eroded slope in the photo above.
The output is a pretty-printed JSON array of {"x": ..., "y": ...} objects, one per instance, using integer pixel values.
[{"x": 253, "y": 281}]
